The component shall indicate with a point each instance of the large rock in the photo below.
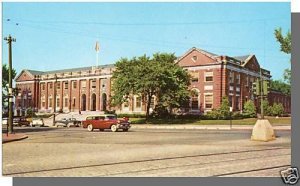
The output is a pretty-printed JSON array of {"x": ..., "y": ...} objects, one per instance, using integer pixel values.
[{"x": 263, "y": 131}]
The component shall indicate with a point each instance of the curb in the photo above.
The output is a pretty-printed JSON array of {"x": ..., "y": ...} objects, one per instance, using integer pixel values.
[{"x": 16, "y": 139}]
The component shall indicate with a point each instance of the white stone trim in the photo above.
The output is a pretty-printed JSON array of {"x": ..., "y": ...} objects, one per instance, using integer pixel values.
[
  {"x": 203, "y": 67},
  {"x": 76, "y": 78},
  {"x": 24, "y": 82},
  {"x": 243, "y": 70}
]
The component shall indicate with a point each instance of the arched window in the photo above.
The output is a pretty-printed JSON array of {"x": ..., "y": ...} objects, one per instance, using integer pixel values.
[{"x": 195, "y": 99}]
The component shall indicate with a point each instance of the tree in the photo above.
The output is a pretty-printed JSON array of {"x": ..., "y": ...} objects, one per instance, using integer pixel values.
[
  {"x": 281, "y": 86},
  {"x": 276, "y": 109},
  {"x": 224, "y": 108},
  {"x": 286, "y": 47},
  {"x": 157, "y": 76},
  {"x": 249, "y": 109},
  {"x": 5, "y": 76}
]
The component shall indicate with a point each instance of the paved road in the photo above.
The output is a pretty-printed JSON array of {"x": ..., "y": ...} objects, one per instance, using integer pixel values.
[{"x": 145, "y": 152}]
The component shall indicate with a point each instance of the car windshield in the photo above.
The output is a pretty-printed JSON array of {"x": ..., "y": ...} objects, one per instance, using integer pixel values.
[{"x": 111, "y": 117}]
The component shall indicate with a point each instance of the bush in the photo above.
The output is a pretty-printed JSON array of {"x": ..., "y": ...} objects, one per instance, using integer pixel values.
[
  {"x": 132, "y": 115},
  {"x": 249, "y": 109},
  {"x": 160, "y": 111},
  {"x": 276, "y": 109},
  {"x": 237, "y": 115},
  {"x": 30, "y": 113},
  {"x": 109, "y": 112},
  {"x": 266, "y": 107}
]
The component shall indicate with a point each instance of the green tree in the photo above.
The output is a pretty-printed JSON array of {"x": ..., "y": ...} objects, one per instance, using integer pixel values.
[
  {"x": 281, "y": 86},
  {"x": 276, "y": 109},
  {"x": 224, "y": 108},
  {"x": 5, "y": 84},
  {"x": 157, "y": 76},
  {"x": 249, "y": 109},
  {"x": 286, "y": 47},
  {"x": 266, "y": 107}
]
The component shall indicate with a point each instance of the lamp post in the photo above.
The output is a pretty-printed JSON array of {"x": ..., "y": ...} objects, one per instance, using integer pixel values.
[{"x": 9, "y": 40}]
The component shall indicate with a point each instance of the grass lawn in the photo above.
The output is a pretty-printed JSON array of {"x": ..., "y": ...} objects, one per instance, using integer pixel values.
[{"x": 248, "y": 121}]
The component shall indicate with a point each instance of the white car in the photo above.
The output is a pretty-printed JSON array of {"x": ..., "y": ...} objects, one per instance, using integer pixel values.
[{"x": 37, "y": 122}]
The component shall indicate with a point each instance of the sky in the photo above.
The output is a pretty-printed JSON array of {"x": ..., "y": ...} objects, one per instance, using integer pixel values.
[{"x": 51, "y": 36}]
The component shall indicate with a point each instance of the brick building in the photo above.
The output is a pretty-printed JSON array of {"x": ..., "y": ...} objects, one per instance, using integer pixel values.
[{"x": 89, "y": 88}]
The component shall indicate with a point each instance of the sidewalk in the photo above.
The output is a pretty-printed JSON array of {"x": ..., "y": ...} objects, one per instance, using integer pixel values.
[
  {"x": 204, "y": 127},
  {"x": 13, "y": 137}
]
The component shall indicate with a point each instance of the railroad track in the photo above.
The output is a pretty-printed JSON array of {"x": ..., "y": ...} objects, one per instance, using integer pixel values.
[{"x": 159, "y": 160}]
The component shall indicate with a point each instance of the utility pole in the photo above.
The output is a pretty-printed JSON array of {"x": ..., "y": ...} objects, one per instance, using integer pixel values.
[
  {"x": 54, "y": 99},
  {"x": 9, "y": 40}
]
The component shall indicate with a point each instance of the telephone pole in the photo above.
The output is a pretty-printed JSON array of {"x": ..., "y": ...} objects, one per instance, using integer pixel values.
[{"x": 9, "y": 40}]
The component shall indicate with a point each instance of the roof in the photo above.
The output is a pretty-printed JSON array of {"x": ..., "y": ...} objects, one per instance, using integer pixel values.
[
  {"x": 36, "y": 72},
  {"x": 242, "y": 58},
  {"x": 209, "y": 54}
]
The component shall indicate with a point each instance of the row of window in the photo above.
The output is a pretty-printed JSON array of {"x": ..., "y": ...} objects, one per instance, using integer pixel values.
[
  {"x": 208, "y": 76},
  {"x": 50, "y": 103},
  {"x": 74, "y": 85}
]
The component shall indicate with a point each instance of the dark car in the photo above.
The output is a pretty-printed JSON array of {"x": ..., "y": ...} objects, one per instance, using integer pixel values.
[
  {"x": 20, "y": 121},
  {"x": 67, "y": 122},
  {"x": 105, "y": 121}
]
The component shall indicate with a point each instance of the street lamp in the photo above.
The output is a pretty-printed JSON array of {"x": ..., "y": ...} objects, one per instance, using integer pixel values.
[{"x": 9, "y": 40}]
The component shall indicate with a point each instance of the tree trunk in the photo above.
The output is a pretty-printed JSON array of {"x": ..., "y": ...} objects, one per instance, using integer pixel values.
[{"x": 148, "y": 106}]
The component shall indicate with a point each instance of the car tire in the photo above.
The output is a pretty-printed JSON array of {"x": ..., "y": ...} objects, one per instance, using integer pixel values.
[
  {"x": 125, "y": 130},
  {"x": 113, "y": 128},
  {"x": 90, "y": 127}
]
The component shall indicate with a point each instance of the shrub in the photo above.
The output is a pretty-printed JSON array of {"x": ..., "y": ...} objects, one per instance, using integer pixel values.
[
  {"x": 266, "y": 107},
  {"x": 30, "y": 113},
  {"x": 237, "y": 115},
  {"x": 214, "y": 114},
  {"x": 276, "y": 109},
  {"x": 224, "y": 110},
  {"x": 249, "y": 109},
  {"x": 109, "y": 112},
  {"x": 132, "y": 115},
  {"x": 160, "y": 111}
]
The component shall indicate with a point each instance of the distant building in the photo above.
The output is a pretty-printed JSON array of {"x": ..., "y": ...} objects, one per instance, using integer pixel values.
[{"x": 89, "y": 88}]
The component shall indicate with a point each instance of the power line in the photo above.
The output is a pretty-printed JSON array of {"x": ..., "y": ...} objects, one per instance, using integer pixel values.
[
  {"x": 147, "y": 24},
  {"x": 184, "y": 45}
]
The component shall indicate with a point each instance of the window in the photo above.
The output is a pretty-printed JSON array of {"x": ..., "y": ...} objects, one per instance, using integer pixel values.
[
  {"x": 231, "y": 77},
  {"x": 194, "y": 76},
  {"x": 230, "y": 101},
  {"x": 93, "y": 84},
  {"x": 50, "y": 102},
  {"x": 66, "y": 85},
  {"x": 50, "y": 85},
  {"x": 194, "y": 58},
  {"x": 237, "y": 103},
  {"x": 152, "y": 102},
  {"x": 83, "y": 84},
  {"x": 195, "y": 100},
  {"x": 66, "y": 102},
  {"x": 57, "y": 102},
  {"x": 138, "y": 101},
  {"x": 209, "y": 76},
  {"x": 58, "y": 85},
  {"x": 43, "y": 104},
  {"x": 238, "y": 78},
  {"x": 208, "y": 101},
  {"x": 74, "y": 84},
  {"x": 74, "y": 101},
  {"x": 43, "y": 86}
]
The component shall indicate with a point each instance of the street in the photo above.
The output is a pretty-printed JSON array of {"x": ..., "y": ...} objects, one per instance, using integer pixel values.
[{"x": 145, "y": 152}]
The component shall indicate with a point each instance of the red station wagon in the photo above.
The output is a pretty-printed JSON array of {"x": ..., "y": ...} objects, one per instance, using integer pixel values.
[{"x": 105, "y": 121}]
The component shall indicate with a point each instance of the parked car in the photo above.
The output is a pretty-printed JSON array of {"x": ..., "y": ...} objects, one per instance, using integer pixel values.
[
  {"x": 37, "y": 122},
  {"x": 20, "y": 121},
  {"x": 4, "y": 121},
  {"x": 68, "y": 122},
  {"x": 105, "y": 121}
]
